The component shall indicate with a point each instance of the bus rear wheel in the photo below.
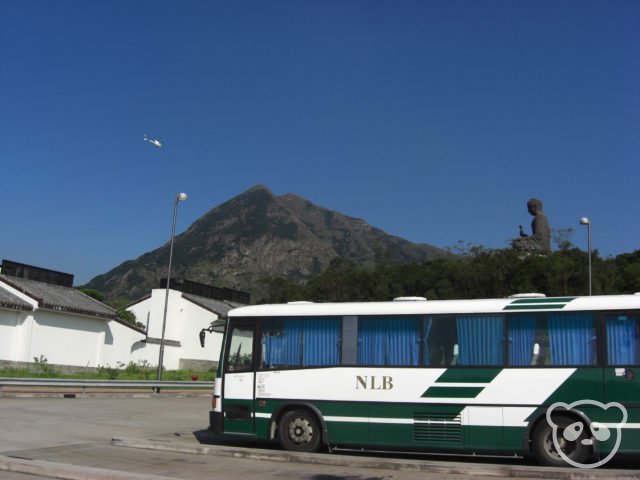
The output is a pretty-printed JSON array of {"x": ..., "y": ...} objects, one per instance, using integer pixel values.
[
  {"x": 544, "y": 447},
  {"x": 299, "y": 431}
]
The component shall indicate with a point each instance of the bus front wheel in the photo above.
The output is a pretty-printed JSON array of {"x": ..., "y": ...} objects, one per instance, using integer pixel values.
[
  {"x": 299, "y": 431},
  {"x": 544, "y": 447}
]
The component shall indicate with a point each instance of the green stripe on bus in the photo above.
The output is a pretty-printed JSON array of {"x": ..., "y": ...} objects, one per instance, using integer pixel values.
[
  {"x": 544, "y": 300},
  {"x": 549, "y": 306},
  {"x": 469, "y": 375},
  {"x": 452, "y": 392},
  {"x": 440, "y": 412}
]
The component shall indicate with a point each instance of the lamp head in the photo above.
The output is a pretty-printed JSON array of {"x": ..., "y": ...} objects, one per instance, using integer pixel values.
[
  {"x": 181, "y": 197},
  {"x": 585, "y": 221}
]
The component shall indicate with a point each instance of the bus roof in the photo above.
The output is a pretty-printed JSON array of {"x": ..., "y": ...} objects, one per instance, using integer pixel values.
[{"x": 432, "y": 307}]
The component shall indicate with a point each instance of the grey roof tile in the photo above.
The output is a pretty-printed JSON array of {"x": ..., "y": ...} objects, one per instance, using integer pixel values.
[
  {"x": 215, "y": 306},
  {"x": 11, "y": 301},
  {"x": 55, "y": 297}
]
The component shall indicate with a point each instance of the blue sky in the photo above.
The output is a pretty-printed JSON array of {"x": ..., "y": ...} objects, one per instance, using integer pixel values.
[{"x": 433, "y": 120}]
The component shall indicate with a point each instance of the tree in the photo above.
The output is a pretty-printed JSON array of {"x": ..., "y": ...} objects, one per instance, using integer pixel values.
[
  {"x": 478, "y": 273},
  {"x": 627, "y": 272},
  {"x": 129, "y": 317},
  {"x": 562, "y": 238},
  {"x": 92, "y": 293}
]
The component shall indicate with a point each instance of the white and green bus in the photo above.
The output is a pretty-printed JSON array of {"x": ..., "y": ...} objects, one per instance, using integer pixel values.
[{"x": 557, "y": 378}]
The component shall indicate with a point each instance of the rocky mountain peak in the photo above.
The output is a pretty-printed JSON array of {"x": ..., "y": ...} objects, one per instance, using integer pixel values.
[{"x": 255, "y": 235}]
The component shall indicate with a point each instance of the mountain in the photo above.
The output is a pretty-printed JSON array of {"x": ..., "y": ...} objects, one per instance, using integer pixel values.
[{"x": 258, "y": 234}]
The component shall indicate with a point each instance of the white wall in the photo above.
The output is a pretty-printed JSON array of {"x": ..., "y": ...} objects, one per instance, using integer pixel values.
[
  {"x": 120, "y": 344},
  {"x": 9, "y": 324},
  {"x": 194, "y": 319},
  {"x": 185, "y": 319},
  {"x": 141, "y": 311},
  {"x": 67, "y": 339},
  {"x": 155, "y": 309},
  {"x": 22, "y": 338},
  {"x": 149, "y": 353}
]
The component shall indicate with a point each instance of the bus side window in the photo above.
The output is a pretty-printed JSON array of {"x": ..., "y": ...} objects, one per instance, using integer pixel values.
[
  {"x": 241, "y": 349},
  {"x": 623, "y": 340},
  {"x": 556, "y": 339},
  {"x": 441, "y": 342}
]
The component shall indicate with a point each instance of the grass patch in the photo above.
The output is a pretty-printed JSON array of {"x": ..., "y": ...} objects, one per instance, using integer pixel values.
[{"x": 133, "y": 371}]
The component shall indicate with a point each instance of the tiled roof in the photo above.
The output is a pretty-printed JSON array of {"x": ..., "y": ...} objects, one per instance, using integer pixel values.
[
  {"x": 55, "y": 297},
  {"x": 215, "y": 306},
  {"x": 9, "y": 300},
  {"x": 236, "y": 304}
]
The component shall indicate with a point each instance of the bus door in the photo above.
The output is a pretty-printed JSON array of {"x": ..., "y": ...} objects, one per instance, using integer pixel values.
[
  {"x": 239, "y": 379},
  {"x": 622, "y": 373}
]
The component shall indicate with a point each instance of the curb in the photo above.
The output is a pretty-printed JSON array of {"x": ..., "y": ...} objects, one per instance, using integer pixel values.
[
  {"x": 57, "y": 393},
  {"x": 426, "y": 466},
  {"x": 64, "y": 471}
]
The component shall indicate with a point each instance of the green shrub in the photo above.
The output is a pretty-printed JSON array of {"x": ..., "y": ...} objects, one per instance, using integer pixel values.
[{"x": 43, "y": 368}]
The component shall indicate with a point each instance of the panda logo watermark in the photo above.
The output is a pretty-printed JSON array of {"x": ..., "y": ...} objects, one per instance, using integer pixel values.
[{"x": 598, "y": 431}]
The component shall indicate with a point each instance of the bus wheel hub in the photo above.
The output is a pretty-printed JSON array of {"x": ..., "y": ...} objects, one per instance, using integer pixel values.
[{"x": 300, "y": 431}]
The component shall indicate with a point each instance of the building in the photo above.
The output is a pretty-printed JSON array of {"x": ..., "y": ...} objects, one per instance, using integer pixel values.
[
  {"x": 43, "y": 317},
  {"x": 191, "y": 308},
  {"x": 41, "y": 320}
]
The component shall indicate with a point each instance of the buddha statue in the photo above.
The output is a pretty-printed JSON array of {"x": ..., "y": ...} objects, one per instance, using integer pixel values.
[{"x": 540, "y": 240}]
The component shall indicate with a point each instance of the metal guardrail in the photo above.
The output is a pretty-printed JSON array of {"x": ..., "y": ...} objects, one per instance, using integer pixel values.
[{"x": 100, "y": 384}]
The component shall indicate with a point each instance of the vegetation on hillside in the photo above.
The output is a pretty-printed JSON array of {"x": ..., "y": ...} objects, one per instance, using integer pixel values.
[
  {"x": 258, "y": 234},
  {"x": 476, "y": 272}
]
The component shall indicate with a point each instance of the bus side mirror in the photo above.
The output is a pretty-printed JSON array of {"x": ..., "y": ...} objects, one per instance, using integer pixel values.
[
  {"x": 203, "y": 333},
  {"x": 218, "y": 326}
]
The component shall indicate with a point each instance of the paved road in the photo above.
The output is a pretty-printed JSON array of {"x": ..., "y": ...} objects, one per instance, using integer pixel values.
[
  {"x": 32, "y": 423},
  {"x": 78, "y": 431}
]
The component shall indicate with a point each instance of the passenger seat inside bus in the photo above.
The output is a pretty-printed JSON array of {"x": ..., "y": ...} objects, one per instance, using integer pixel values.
[{"x": 536, "y": 354}]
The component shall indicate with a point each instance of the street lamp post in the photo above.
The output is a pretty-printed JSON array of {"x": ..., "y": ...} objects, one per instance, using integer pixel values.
[
  {"x": 587, "y": 222},
  {"x": 181, "y": 197}
]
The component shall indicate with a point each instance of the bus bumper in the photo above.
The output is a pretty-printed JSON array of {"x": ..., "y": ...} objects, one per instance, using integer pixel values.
[{"x": 215, "y": 422}]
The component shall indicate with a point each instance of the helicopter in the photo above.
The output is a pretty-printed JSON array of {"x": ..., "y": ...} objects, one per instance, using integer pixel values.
[{"x": 153, "y": 141}]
